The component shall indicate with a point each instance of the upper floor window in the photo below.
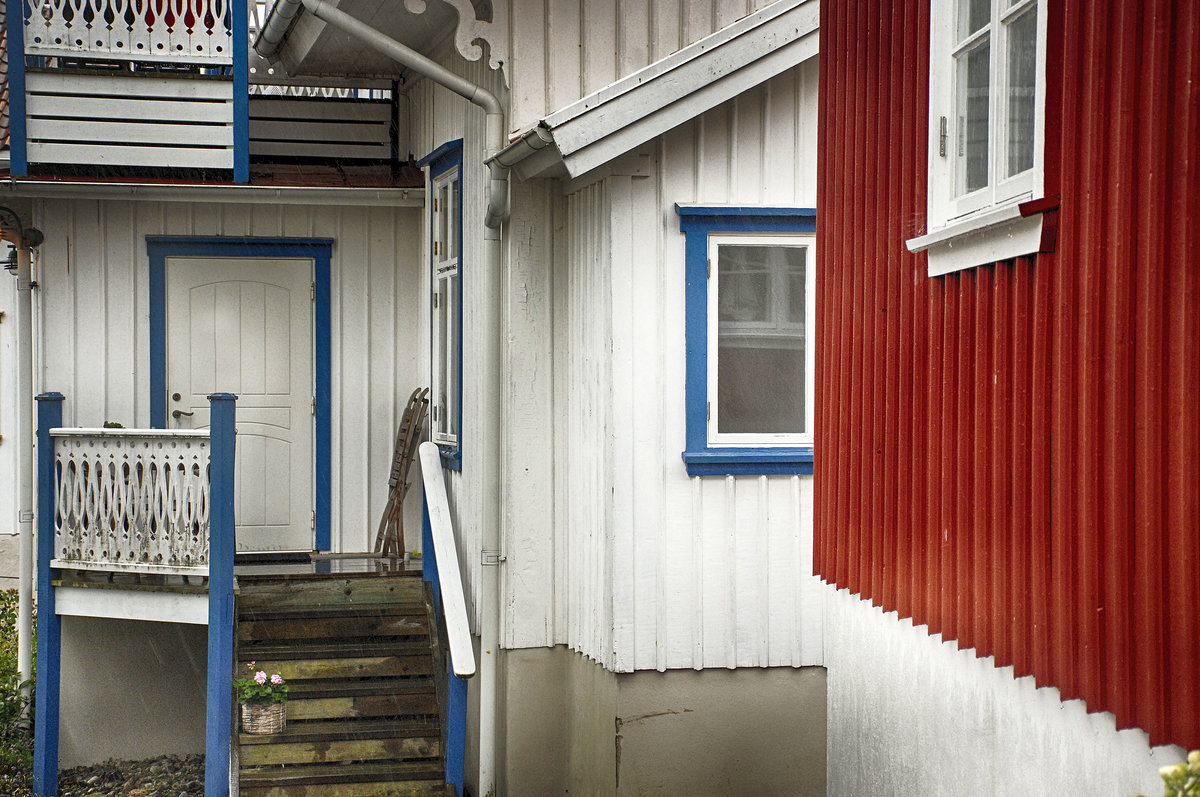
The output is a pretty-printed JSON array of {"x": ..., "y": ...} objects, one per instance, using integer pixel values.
[
  {"x": 751, "y": 300},
  {"x": 986, "y": 119},
  {"x": 445, "y": 255}
]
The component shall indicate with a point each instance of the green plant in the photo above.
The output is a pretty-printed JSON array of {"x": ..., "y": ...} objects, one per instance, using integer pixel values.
[
  {"x": 1182, "y": 779},
  {"x": 16, "y": 700},
  {"x": 260, "y": 687}
]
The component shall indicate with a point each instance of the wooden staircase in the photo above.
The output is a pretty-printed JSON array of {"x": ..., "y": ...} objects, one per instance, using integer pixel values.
[{"x": 365, "y": 714}]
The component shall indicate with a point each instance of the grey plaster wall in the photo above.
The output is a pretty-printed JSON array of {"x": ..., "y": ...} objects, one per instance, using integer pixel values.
[
  {"x": 130, "y": 689},
  {"x": 572, "y": 727},
  {"x": 10, "y": 556}
]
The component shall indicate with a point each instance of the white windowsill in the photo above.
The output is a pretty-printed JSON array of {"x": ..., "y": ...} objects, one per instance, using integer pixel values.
[{"x": 982, "y": 238}]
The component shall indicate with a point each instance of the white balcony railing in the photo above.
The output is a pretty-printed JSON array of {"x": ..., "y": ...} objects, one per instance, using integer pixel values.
[
  {"x": 131, "y": 500},
  {"x": 179, "y": 31}
]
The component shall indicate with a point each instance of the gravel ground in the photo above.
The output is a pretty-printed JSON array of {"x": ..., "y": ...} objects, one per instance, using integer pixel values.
[{"x": 166, "y": 776}]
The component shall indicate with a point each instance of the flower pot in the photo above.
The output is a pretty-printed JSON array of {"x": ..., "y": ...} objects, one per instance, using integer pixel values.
[{"x": 263, "y": 717}]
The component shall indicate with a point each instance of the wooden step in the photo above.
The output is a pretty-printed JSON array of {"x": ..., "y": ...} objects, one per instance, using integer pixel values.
[
  {"x": 343, "y": 740},
  {"x": 342, "y": 623},
  {"x": 275, "y": 596},
  {"x": 331, "y": 648},
  {"x": 398, "y": 775},
  {"x": 428, "y": 788},
  {"x": 375, "y": 698}
]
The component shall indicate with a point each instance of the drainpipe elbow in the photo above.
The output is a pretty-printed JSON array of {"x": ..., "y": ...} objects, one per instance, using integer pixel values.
[{"x": 497, "y": 196}]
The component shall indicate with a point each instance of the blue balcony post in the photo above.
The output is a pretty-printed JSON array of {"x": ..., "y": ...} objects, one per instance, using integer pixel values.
[
  {"x": 219, "y": 710},
  {"x": 241, "y": 91},
  {"x": 49, "y": 642},
  {"x": 18, "y": 158}
]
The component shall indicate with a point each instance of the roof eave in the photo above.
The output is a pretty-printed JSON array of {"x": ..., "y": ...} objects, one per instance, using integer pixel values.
[{"x": 612, "y": 121}]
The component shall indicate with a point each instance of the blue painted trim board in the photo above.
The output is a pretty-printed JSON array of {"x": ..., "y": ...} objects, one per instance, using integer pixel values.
[
  {"x": 18, "y": 157},
  {"x": 219, "y": 709},
  {"x": 320, "y": 250},
  {"x": 456, "y": 703},
  {"x": 241, "y": 92},
  {"x": 446, "y": 157},
  {"x": 49, "y": 629},
  {"x": 697, "y": 222}
]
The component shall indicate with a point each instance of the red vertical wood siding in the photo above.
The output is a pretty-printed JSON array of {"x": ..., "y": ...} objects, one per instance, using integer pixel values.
[{"x": 1011, "y": 454}]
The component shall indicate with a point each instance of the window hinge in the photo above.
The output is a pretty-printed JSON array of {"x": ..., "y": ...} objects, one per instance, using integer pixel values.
[
  {"x": 435, "y": 301},
  {"x": 435, "y": 414},
  {"x": 942, "y": 137},
  {"x": 314, "y": 405},
  {"x": 1, "y": 316},
  {"x": 312, "y": 291},
  {"x": 435, "y": 205},
  {"x": 709, "y": 274},
  {"x": 435, "y": 248},
  {"x": 313, "y": 521},
  {"x": 708, "y": 411},
  {"x": 962, "y": 140},
  {"x": 492, "y": 558}
]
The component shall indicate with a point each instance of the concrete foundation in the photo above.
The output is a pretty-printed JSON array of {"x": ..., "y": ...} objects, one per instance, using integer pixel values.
[
  {"x": 130, "y": 689},
  {"x": 574, "y": 728}
]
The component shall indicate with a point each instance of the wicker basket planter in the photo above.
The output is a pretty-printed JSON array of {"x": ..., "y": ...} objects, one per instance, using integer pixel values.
[{"x": 263, "y": 718}]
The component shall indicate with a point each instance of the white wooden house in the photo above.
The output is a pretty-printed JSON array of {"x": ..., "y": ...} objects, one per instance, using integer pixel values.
[{"x": 605, "y": 273}]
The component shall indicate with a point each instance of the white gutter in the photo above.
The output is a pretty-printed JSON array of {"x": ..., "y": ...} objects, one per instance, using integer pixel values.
[{"x": 282, "y": 15}]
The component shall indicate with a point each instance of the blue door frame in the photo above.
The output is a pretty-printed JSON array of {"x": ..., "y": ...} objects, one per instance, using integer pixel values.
[{"x": 320, "y": 251}]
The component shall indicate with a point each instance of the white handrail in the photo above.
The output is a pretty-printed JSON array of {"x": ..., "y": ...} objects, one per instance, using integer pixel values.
[{"x": 445, "y": 551}]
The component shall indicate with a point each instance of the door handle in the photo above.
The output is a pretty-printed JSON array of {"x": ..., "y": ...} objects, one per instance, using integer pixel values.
[{"x": 176, "y": 413}]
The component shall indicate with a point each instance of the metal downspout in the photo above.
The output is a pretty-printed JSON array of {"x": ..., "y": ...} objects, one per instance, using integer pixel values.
[
  {"x": 489, "y": 282},
  {"x": 25, "y": 467}
]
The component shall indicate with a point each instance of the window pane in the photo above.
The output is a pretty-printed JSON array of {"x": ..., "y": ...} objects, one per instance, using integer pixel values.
[
  {"x": 452, "y": 221},
  {"x": 744, "y": 283},
  {"x": 797, "y": 279},
  {"x": 760, "y": 353},
  {"x": 452, "y": 354},
  {"x": 1022, "y": 65},
  {"x": 973, "y": 101},
  {"x": 441, "y": 227},
  {"x": 973, "y": 15}
]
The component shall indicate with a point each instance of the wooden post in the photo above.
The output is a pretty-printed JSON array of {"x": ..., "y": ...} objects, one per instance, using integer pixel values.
[
  {"x": 219, "y": 711},
  {"x": 49, "y": 643}
]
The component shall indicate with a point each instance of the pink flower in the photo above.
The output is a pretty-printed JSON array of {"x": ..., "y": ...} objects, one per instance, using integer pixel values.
[
  {"x": 260, "y": 677},
  {"x": 276, "y": 679}
]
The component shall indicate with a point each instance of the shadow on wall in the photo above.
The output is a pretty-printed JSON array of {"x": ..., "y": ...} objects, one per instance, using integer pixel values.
[{"x": 131, "y": 689}]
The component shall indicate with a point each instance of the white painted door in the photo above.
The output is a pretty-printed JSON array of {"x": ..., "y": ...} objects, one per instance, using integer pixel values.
[{"x": 245, "y": 326}]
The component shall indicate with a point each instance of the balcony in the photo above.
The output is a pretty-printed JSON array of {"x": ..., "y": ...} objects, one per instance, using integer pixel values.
[{"x": 171, "y": 88}]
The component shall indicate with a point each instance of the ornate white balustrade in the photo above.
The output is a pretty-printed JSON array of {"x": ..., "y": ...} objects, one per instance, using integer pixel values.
[
  {"x": 180, "y": 31},
  {"x": 131, "y": 500}
]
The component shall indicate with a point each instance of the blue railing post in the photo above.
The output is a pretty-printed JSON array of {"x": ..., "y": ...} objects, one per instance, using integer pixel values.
[
  {"x": 49, "y": 636},
  {"x": 456, "y": 696},
  {"x": 15, "y": 13},
  {"x": 241, "y": 91},
  {"x": 219, "y": 710}
]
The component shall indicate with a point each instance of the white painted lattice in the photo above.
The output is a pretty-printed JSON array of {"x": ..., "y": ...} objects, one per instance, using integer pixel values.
[
  {"x": 131, "y": 500},
  {"x": 180, "y": 31}
]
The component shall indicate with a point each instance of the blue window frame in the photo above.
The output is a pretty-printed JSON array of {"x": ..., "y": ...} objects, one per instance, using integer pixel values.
[
  {"x": 320, "y": 250},
  {"x": 445, "y": 299},
  {"x": 750, "y": 279}
]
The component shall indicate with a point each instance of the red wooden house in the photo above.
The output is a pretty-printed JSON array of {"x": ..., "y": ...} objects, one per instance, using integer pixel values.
[{"x": 1009, "y": 350}]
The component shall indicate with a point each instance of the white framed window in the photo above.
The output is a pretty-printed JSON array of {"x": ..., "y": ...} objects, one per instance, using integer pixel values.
[
  {"x": 445, "y": 299},
  {"x": 761, "y": 302},
  {"x": 987, "y": 131},
  {"x": 750, "y": 298}
]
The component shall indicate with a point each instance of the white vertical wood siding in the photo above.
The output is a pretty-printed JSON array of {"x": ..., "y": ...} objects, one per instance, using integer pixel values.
[
  {"x": 93, "y": 323},
  {"x": 440, "y": 116},
  {"x": 911, "y": 714},
  {"x": 662, "y": 570},
  {"x": 563, "y": 50}
]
